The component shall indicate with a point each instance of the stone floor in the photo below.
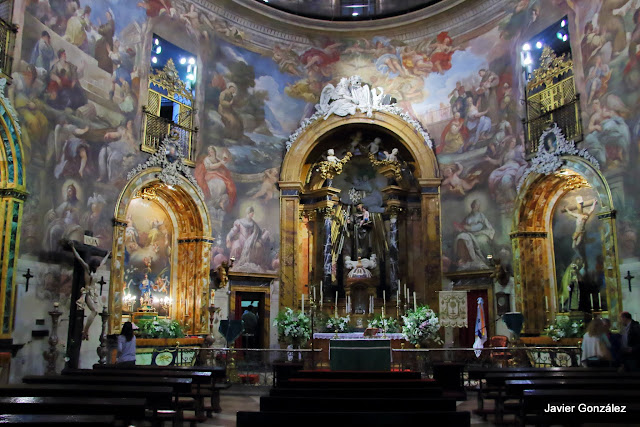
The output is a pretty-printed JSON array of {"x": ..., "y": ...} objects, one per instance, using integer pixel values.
[{"x": 247, "y": 398}]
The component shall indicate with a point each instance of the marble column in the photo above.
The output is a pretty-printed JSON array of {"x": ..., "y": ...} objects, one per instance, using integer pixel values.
[
  {"x": 326, "y": 251},
  {"x": 394, "y": 273}
]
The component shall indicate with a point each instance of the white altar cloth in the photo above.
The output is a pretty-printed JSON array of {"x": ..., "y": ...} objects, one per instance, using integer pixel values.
[{"x": 356, "y": 336}]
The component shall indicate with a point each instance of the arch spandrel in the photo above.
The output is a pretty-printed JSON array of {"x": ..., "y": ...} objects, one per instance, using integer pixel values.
[{"x": 293, "y": 166}]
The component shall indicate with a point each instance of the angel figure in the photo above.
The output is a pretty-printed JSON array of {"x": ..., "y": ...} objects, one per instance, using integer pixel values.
[
  {"x": 331, "y": 158},
  {"x": 337, "y": 100},
  {"x": 268, "y": 187},
  {"x": 455, "y": 183},
  {"x": 90, "y": 296},
  {"x": 392, "y": 156}
]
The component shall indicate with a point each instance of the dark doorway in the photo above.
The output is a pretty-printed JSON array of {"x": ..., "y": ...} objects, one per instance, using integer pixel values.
[{"x": 252, "y": 337}]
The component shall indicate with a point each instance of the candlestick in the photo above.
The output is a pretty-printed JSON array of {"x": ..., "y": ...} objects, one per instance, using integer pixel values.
[
  {"x": 600, "y": 301},
  {"x": 415, "y": 303},
  {"x": 336, "y": 305},
  {"x": 302, "y": 303},
  {"x": 398, "y": 297},
  {"x": 546, "y": 303},
  {"x": 591, "y": 301}
]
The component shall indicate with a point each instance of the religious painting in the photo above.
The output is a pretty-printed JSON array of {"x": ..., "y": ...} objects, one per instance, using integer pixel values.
[
  {"x": 148, "y": 254},
  {"x": 577, "y": 245}
]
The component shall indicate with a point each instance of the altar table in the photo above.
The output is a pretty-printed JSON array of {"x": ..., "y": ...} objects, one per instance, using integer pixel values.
[
  {"x": 322, "y": 340},
  {"x": 360, "y": 355}
]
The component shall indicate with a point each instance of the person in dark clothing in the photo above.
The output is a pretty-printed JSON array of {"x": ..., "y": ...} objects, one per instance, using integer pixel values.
[
  {"x": 250, "y": 320},
  {"x": 616, "y": 342},
  {"x": 630, "y": 330}
]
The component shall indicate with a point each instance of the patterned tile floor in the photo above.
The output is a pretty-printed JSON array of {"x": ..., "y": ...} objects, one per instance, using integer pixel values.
[{"x": 248, "y": 399}]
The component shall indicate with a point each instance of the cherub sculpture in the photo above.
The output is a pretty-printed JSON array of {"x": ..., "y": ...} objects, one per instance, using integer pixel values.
[{"x": 333, "y": 165}]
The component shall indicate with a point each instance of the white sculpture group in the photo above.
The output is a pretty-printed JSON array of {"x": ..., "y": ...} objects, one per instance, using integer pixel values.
[{"x": 348, "y": 96}]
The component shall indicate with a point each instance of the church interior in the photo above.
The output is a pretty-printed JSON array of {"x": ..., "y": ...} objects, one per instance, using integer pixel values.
[{"x": 319, "y": 204}]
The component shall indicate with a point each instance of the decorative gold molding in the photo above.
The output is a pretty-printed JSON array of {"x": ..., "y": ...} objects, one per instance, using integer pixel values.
[
  {"x": 551, "y": 67},
  {"x": 169, "y": 80}
]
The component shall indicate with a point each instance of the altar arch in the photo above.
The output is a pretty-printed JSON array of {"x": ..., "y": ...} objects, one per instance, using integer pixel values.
[
  {"x": 181, "y": 198},
  {"x": 421, "y": 210},
  {"x": 532, "y": 239}
]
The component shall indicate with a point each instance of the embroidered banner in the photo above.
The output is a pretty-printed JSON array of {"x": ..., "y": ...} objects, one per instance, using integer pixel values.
[{"x": 453, "y": 308}]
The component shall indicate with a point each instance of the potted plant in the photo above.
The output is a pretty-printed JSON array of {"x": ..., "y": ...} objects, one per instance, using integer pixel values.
[
  {"x": 294, "y": 327},
  {"x": 563, "y": 328}
]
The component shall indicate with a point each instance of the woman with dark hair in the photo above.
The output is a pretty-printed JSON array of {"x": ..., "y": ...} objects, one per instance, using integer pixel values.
[{"x": 127, "y": 346}]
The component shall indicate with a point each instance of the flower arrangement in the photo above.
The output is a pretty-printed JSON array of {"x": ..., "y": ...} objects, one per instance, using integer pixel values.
[
  {"x": 163, "y": 328},
  {"x": 338, "y": 324},
  {"x": 421, "y": 326},
  {"x": 294, "y": 327},
  {"x": 388, "y": 324},
  {"x": 564, "y": 327}
]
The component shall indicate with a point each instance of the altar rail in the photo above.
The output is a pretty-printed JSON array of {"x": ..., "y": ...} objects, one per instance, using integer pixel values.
[{"x": 256, "y": 366}]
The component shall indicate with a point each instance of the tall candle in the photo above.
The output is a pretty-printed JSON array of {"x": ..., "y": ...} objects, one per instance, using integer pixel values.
[
  {"x": 398, "y": 297},
  {"x": 591, "y": 301},
  {"x": 546, "y": 303},
  {"x": 302, "y": 303},
  {"x": 314, "y": 294},
  {"x": 415, "y": 303},
  {"x": 321, "y": 295},
  {"x": 336, "y": 306},
  {"x": 346, "y": 305},
  {"x": 599, "y": 300},
  {"x": 405, "y": 290},
  {"x": 384, "y": 298}
]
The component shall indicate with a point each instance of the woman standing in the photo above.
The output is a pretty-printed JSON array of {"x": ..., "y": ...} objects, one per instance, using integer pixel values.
[
  {"x": 596, "y": 349},
  {"x": 127, "y": 346}
]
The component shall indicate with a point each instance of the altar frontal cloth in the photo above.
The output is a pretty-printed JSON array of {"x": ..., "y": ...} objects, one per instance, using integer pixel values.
[
  {"x": 453, "y": 308},
  {"x": 360, "y": 355}
]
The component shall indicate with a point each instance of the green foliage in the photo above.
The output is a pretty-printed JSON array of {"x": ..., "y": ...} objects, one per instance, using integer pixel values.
[
  {"x": 421, "y": 326},
  {"x": 565, "y": 328},
  {"x": 162, "y": 328},
  {"x": 293, "y": 327},
  {"x": 389, "y": 324}
]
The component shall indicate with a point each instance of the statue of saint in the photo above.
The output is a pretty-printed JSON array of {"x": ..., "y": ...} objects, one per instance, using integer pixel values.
[
  {"x": 570, "y": 294},
  {"x": 581, "y": 220},
  {"x": 90, "y": 296}
]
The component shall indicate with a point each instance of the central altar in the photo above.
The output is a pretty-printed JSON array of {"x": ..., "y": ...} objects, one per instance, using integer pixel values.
[{"x": 364, "y": 354}]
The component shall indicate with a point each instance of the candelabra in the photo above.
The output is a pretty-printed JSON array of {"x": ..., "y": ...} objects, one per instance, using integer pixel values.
[
  {"x": 102, "y": 348},
  {"x": 128, "y": 301},
  {"x": 165, "y": 303},
  {"x": 51, "y": 355}
]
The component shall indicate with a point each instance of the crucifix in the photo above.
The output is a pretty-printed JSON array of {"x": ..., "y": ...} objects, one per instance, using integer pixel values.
[
  {"x": 628, "y": 277},
  {"x": 85, "y": 257},
  {"x": 27, "y": 276},
  {"x": 101, "y": 282}
]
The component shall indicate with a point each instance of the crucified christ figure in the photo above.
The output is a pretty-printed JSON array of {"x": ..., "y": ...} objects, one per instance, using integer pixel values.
[
  {"x": 90, "y": 297},
  {"x": 581, "y": 220}
]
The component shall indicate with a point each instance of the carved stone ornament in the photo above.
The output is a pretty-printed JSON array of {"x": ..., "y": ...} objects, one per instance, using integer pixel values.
[
  {"x": 552, "y": 146},
  {"x": 9, "y": 105},
  {"x": 171, "y": 162},
  {"x": 350, "y": 96},
  {"x": 333, "y": 166}
]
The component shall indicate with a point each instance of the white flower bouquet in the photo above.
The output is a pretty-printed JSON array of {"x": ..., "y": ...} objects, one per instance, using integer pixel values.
[
  {"x": 388, "y": 324},
  {"x": 421, "y": 326},
  {"x": 294, "y": 327},
  {"x": 564, "y": 327},
  {"x": 338, "y": 324}
]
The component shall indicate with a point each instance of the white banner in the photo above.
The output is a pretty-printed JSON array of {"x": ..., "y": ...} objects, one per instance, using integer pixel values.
[{"x": 453, "y": 308}]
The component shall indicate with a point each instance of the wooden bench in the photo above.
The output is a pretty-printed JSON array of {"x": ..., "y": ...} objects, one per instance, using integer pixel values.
[
  {"x": 297, "y": 419},
  {"x": 125, "y": 409},
  {"x": 340, "y": 404},
  {"x": 357, "y": 375},
  {"x": 57, "y": 420},
  {"x": 346, "y": 383},
  {"x": 360, "y": 392}
]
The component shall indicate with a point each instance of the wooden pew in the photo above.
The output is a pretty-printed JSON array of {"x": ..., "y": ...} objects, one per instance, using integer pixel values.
[
  {"x": 346, "y": 383},
  {"x": 197, "y": 377},
  {"x": 360, "y": 392},
  {"x": 536, "y": 401},
  {"x": 340, "y": 404},
  {"x": 125, "y": 409},
  {"x": 356, "y": 375},
  {"x": 180, "y": 386},
  {"x": 212, "y": 391},
  {"x": 297, "y": 419},
  {"x": 57, "y": 420}
]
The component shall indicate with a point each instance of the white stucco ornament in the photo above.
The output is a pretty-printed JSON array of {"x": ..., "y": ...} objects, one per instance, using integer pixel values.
[
  {"x": 552, "y": 146},
  {"x": 169, "y": 157},
  {"x": 350, "y": 96}
]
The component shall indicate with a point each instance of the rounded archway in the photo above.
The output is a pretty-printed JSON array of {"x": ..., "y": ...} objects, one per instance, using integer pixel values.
[
  {"x": 537, "y": 272},
  {"x": 177, "y": 229},
  {"x": 307, "y": 212}
]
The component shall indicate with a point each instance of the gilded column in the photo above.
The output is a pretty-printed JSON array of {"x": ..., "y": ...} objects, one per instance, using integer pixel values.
[
  {"x": 117, "y": 271},
  {"x": 289, "y": 217},
  {"x": 611, "y": 267},
  {"x": 431, "y": 241}
]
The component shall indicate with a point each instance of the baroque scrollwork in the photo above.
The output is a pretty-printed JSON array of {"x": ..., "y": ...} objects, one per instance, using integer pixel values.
[
  {"x": 552, "y": 146},
  {"x": 551, "y": 67},
  {"x": 390, "y": 162},
  {"x": 332, "y": 166},
  {"x": 350, "y": 96},
  {"x": 169, "y": 79},
  {"x": 170, "y": 160}
]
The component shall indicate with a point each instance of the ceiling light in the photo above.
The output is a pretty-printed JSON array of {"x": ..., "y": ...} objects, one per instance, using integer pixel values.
[
  {"x": 539, "y": 45},
  {"x": 565, "y": 38},
  {"x": 563, "y": 23},
  {"x": 156, "y": 42},
  {"x": 183, "y": 61},
  {"x": 158, "y": 50},
  {"x": 192, "y": 60},
  {"x": 355, "y": 14},
  {"x": 526, "y": 47},
  {"x": 154, "y": 59}
]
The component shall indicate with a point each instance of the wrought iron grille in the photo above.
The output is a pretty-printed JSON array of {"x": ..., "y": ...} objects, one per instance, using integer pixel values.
[
  {"x": 155, "y": 130},
  {"x": 557, "y": 103},
  {"x": 7, "y": 39}
]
